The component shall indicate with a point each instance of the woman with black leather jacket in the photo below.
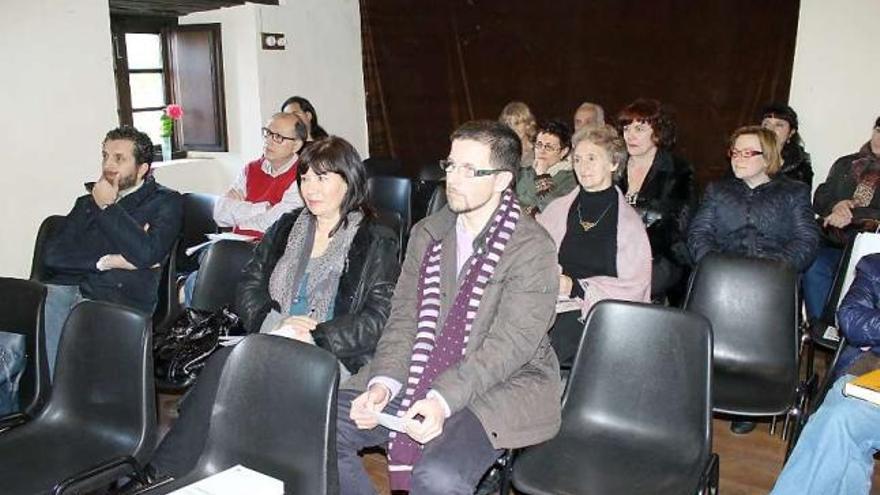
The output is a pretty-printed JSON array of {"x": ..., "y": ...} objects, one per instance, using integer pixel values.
[
  {"x": 660, "y": 186},
  {"x": 323, "y": 274}
]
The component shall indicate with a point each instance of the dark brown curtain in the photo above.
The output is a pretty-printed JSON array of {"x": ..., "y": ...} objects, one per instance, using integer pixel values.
[{"x": 429, "y": 66}]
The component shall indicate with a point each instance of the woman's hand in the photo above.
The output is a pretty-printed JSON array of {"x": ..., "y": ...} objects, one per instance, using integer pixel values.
[
  {"x": 565, "y": 285},
  {"x": 841, "y": 214},
  {"x": 296, "y": 327}
]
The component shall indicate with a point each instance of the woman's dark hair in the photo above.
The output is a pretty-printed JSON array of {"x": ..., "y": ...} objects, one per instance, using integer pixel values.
[
  {"x": 877, "y": 123},
  {"x": 655, "y": 115},
  {"x": 142, "y": 146},
  {"x": 784, "y": 112},
  {"x": 333, "y": 154},
  {"x": 318, "y": 132},
  {"x": 559, "y": 129}
]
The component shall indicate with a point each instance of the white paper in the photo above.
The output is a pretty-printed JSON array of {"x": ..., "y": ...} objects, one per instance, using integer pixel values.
[
  {"x": 212, "y": 238},
  {"x": 566, "y": 304},
  {"x": 237, "y": 480},
  {"x": 392, "y": 422}
]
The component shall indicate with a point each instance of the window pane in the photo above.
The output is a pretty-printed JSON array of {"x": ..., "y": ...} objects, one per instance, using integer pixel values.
[
  {"x": 148, "y": 122},
  {"x": 144, "y": 50},
  {"x": 147, "y": 90}
]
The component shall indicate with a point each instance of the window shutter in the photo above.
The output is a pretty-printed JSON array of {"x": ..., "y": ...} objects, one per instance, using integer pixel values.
[{"x": 195, "y": 56}]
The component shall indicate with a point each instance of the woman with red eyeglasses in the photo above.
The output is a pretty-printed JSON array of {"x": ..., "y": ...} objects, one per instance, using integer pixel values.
[{"x": 758, "y": 212}]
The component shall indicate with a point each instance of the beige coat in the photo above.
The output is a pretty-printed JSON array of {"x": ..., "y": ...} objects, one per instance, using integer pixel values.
[{"x": 509, "y": 376}]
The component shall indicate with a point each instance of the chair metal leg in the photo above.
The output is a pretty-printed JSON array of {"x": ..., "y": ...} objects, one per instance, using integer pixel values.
[{"x": 773, "y": 426}]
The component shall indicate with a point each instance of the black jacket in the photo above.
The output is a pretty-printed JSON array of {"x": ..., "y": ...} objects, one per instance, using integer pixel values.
[
  {"x": 773, "y": 220},
  {"x": 796, "y": 164},
  {"x": 142, "y": 227},
  {"x": 665, "y": 202},
  {"x": 363, "y": 300}
]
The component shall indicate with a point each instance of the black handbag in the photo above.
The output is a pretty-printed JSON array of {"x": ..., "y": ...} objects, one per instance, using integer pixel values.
[{"x": 182, "y": 350}]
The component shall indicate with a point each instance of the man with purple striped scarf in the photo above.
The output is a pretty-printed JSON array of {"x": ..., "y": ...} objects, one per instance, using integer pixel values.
[{"x": 464, "y": 358}]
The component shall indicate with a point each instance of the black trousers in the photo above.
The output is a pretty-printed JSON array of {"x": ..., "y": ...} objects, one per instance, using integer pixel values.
[{"x": 451, "y": 464}]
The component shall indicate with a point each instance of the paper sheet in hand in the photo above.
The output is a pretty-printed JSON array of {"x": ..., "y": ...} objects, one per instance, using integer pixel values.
[
  {"x": 212, "y": 238},
  {"x": 566, "y": 304},
  {"x": 237, "y": 480},
  {"x": 392, "y": 422}
]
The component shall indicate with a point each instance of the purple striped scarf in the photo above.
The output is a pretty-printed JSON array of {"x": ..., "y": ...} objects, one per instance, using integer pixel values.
[{"x": 432, "y": 354}]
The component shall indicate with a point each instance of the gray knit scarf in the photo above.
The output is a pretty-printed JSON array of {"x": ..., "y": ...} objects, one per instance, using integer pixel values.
[{"x": 324, "y": 271}]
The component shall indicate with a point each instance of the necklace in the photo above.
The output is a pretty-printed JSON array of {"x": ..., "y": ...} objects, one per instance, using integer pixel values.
[{"x": 586, "y": 224}]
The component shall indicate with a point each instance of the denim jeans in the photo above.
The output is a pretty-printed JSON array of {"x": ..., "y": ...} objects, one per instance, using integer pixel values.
[
  {"x": 60, "y": 299},
  {"x": 819, "y": 278},
  {"x": 835, "y": 453}
]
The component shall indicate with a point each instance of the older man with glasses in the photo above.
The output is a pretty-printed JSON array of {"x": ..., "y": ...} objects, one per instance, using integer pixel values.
[{"x": 265, "y": 188}]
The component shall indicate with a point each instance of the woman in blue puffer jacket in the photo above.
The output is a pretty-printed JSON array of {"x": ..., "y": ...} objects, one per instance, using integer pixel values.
[{"x": 757, "y": 213}]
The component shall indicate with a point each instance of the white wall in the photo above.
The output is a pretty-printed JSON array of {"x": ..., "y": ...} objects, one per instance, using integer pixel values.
[
  {"x": 835, "y": 84},
  {"x": 58, "y": 99},
  {"x": 322, "y": 62}
]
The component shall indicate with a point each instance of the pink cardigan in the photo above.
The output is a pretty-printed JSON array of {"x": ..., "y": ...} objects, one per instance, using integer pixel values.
[{"x": 633, "y": 281}]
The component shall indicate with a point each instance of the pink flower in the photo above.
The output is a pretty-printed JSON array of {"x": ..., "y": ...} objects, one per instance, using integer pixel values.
[{"x": 174, "y": 111}]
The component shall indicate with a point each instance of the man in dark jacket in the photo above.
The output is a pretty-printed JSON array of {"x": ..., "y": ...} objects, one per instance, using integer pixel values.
[
  {"x": 115, "y": 238},
  {"x": 464, "y": 361}
]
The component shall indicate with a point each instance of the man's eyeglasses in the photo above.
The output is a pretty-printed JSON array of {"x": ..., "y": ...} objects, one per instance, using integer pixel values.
[
  {"x": 545, "y": 146},
  {"x": 275, "y": 137},
  {"x": 467, "y": 170},
  {"x": 733, "y": 153}
]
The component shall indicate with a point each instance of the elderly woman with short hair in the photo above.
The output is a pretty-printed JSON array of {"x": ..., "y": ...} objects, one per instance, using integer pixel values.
[{"x": 603, "y": 248}]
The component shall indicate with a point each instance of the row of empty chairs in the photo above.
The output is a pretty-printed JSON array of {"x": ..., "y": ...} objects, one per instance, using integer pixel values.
[{"x": 99, "y": 421}]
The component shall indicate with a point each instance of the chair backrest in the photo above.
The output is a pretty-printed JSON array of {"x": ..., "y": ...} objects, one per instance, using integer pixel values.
[
  {"x": 104, "y": 376},
  {"x": 752, "y": 305},
  {"x": 438, "y": 199},
  {"x": 220, "y": 273},
  {"x": 198, "y": 220},
  {"x": 643, "y": 375},
  {"x": 50, "y": 226},
  {"x": 275, "y": 412},
  {"x": 167, "y": 304},
  {"x": 392, "y": 194},
  {"x": 21, "y": 311},
  {"x": 383, "y": 166}
]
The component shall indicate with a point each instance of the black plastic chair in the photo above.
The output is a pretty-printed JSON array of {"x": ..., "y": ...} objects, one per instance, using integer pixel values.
[
  {"x": 383, "y": 166},
  {"x": 21, "y": 311},
  {"x": 392, "y": 194},
  {"x": 753, "y": 307},
  {"x": 100, "y": 421},
  {"x": 167, "y": 304},
  {"x": 274, "y": 412},
  {"x": 198, "y": 220},
  {"x": 50, "y": 226},
  {"x": 220, "y": 273},
  {"x": 636, "y": 416},
  {"x": 438, "y": 199}
]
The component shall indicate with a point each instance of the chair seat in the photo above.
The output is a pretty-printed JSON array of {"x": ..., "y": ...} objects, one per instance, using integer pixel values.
[
  {"x": 750, "y": 392},
  {"x": 602, "y": 465},
  {"x": 33, "y": 459}
]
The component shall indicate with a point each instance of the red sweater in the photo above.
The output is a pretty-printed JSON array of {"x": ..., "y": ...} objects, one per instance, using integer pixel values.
[{"x": 261, "y": 187}]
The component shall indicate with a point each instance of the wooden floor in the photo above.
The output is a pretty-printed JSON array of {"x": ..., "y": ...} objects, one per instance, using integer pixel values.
[{"x": 749, "y": 463}]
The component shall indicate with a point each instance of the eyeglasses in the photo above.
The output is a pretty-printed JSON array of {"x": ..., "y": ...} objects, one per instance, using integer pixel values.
[
  {"x": 466, "y": 169},
  {"x": 275, "y": 137},
  {"x": 734, "y": 153},
  {"x": 545, "y": 146}
]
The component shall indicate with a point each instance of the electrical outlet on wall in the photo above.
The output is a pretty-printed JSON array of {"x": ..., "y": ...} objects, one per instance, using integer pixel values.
[{"x": 273, "y": 41}]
